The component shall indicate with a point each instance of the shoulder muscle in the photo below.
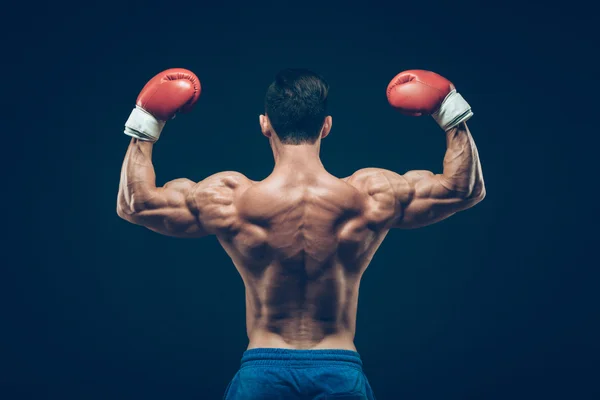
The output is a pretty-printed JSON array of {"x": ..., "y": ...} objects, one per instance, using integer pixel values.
[
  {"x": 214, "y": 200},
  {"x": 380, "y": 191}
]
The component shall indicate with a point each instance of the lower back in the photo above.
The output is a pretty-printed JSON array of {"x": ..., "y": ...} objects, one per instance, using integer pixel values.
[
  {"x": 266, "y": 339},
  {"x": 291, "y": 306}
]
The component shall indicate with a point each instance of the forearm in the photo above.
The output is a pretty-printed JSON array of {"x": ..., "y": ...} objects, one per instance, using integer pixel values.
[
  {"x": 138, "y": 179},
  {"x": 462, "y": 168}
]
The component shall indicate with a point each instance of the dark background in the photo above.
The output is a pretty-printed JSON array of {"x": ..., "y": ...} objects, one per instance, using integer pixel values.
[{"x": 497, "y": 302}]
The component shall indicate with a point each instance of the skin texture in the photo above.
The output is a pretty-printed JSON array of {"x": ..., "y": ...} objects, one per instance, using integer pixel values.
[{"x": 302, "y": 238}]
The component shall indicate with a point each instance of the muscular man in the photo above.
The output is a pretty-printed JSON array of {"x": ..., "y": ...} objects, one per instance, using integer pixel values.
[{"x": 301, "y": 238}]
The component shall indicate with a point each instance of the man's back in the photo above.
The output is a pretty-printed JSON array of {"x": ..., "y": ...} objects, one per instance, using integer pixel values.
[
  {"x": 301, "y": 239},
  {"x": 301, "y": 242}
]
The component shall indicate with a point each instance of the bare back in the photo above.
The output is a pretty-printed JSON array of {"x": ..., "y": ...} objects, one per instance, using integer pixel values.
[
  {"x": 301, "y": 239},
  {"x": 301, "y": 243}
]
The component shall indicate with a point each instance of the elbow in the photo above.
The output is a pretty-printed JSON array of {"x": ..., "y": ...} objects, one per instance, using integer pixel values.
[
  {"x": 132, "y": 208},
  {"x": 480, "y": 196},
  {"x": 124, "y": 210},
  {"x": 478, "y": 193},
  {"x": 120, "y": 212}
]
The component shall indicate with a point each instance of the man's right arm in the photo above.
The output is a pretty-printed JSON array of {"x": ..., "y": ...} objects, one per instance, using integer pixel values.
[{"x": 423, "y": 198}]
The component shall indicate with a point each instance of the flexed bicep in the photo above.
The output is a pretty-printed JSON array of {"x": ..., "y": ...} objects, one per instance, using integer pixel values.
[
  {"x": 425, "y": 198},
  {"x": 183, "y": 208},
  {"x": 169, "y": 210}
]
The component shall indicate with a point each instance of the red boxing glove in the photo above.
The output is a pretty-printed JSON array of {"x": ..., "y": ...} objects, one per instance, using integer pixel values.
[
  {"x": 169, "y": 92},
  {"x": 418, "y": 92}
]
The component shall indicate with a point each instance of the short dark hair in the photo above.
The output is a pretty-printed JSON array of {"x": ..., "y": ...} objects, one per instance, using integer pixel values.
[{"x": 296, "y": 104}]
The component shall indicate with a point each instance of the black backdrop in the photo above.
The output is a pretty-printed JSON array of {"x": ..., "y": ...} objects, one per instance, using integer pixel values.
[{"x": 497, "y": 302}]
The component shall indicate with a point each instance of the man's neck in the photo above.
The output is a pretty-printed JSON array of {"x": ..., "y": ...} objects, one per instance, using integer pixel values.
[{"x": 297, "y": 157}]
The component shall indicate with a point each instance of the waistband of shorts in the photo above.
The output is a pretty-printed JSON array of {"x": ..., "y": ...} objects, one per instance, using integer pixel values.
[{"x": 301, "y": 358}]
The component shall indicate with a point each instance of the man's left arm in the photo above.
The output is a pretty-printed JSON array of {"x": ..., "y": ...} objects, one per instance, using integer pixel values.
[{"x": 169, "y": 210}]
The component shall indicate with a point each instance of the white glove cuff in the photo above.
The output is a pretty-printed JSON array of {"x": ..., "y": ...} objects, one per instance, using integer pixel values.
[
  {"x": 142, "y": 125},
  {"x": 453, "y": 111}
]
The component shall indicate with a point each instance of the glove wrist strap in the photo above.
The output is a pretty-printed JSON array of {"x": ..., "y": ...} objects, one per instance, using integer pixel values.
[
  {"x": 142, "y": 125},
  {"x": 453, "y": 111}
]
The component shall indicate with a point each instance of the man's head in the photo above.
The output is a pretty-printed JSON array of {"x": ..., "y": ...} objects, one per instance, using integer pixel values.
[{"x": 296, "y": 107}]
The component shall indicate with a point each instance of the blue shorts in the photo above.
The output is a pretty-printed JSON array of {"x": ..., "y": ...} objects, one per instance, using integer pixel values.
[{"x": 269, "y": 374}]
